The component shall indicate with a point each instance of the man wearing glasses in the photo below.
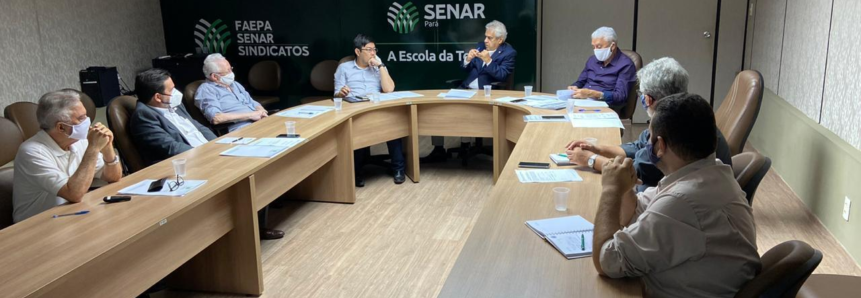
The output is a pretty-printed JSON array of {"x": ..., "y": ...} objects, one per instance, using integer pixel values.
[
  {"x": 222, "y": 99},
  {"x": 366, "y": 75}
]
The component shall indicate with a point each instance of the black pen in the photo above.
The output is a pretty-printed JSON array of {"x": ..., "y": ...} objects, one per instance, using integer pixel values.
[{"x": 237, "y": 140}]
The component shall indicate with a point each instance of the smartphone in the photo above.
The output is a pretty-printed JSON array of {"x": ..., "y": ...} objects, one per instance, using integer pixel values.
[
  {"x": 157, "y": 185},
  {"x": 534, "y": 165},
  {"x": 116, "y": 199},
  {"x": 518, "y": 100},
  {"x": 284, "y": 135}
]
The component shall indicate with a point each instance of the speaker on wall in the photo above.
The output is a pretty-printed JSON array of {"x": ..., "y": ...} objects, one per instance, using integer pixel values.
[{"x": 100, "y": 83}]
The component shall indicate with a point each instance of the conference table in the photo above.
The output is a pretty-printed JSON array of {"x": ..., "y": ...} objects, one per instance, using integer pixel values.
[{"x": 208, "y": 239}]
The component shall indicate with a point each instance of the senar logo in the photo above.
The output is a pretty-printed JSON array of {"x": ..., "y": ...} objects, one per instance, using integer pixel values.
[
  {"x": 403, "y": 18},
  {"x": 212, "y": 38}
]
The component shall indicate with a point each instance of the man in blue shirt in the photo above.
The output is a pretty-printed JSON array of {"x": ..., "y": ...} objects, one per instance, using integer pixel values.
[
  {"x": 365, "y": 75},
  {"x": 659, "y": 79},
  {"x": 222, "y": 99},
  {"x": 609, "y": 74}
]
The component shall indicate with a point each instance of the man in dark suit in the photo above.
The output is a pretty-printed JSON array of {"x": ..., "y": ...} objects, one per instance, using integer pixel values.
[
  {"x": 160, "y": 126},
  {"x": 492, "y": 61}
]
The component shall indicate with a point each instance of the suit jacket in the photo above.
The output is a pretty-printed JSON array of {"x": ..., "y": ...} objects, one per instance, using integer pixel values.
[
  {"x": 501, "y": 66},
  {"x": 156, "y": 138}
]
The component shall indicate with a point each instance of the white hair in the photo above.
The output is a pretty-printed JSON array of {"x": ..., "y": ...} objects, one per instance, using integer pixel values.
[
  {"x": 662, "y": 78},
  {"x": 498, "y": 29},
  {"x": 56, "y": 107},
  {"x": 210, "y": 64},
  {"x": 607, "y": 33}
]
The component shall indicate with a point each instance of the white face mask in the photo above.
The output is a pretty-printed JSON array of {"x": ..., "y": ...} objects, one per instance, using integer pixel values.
[
  {"x": 175, "y": 98},
  {"x": 228, "y": 79},
  {"x": 603, "y": 54},
  {"x": 80, "y": 130}
]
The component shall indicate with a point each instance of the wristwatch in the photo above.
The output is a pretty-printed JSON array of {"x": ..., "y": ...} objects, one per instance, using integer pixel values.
[
  {"x": 592, "y": 161},
  {"x": 115, "y": 161}
]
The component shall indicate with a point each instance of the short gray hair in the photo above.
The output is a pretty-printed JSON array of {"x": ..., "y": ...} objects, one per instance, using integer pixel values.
[
  {"x": 56, "y": 107},
  {"x": 498, "y": 29},
  {"x": 607, "y": 33},
  {"x": 662, "y": 78},
  {"x": 210, "y": 64}
]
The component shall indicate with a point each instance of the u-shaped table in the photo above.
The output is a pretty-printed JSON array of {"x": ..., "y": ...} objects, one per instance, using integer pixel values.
[{"x": 209, "y": 238}]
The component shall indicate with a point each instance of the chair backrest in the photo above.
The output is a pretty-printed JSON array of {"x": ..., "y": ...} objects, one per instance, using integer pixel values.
[
  {"x": 119, "y": 112},
  {"x": 23, "y": 113},
  {"x": 6, "y": 207},
  {"x": 509, "y": 82},
  {"x": 737, "y": 114},
  {"x": 347, "y": 59},
  {"x": 12, "y": 139},
  {"x": 749, "y": 169},
  {"x": 188, "y": 102},
  {"x": 631, "y": 105},
  {"x": 265, "y": 76},
  {"x": 323, "y": 75},
  {"x": 784, "y": 269}
]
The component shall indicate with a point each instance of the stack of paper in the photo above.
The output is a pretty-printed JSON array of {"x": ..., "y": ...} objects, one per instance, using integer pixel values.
[
  {"x": 595, "y": 120},
  {"x": 589, "y": 103},
  {"x": 547, "y": 104},
  {"x": 398, "y": 95},
  {"x": 540, "y": 97},
  {"x": 545, "y": 118},
  {"x": 458, "y": 94},
  {"x": 547, "y": 176},
  {"x": 141, "y": 188},
  {"x": 508, "y": 99},
  {"x": 305, "y": 112},
  {"x": 265, "y": 147},
  {"x": 235, "y": 141}
]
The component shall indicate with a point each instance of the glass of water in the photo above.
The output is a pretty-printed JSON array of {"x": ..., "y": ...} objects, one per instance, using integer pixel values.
[
  {"x": 338, "y": 102},
  {"x": 527, "y": 91},
  {"x": 487, "y": 89}
]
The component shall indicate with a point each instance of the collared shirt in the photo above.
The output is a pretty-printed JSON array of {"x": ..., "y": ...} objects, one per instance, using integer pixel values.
[
  {"x": 648, "y": 172},
  {"x": 360, "y": 80},
  {"x": 212, "y": 99},
  {"x": 42, "y": 168},
  {"x": 474, "y": 83},
  {"x": 185, "y": 127},
  {"x": 692, "y": 236},
  {"x": 614, "y": 80}
]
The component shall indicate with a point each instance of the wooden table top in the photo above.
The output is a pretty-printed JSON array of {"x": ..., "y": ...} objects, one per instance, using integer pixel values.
[{"x": 41, "y": 249}]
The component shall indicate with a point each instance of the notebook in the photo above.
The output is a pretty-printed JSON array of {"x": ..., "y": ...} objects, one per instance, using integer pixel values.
[
  {"x": 561, "y": 159},
  {"x": 570, "y": 235}
]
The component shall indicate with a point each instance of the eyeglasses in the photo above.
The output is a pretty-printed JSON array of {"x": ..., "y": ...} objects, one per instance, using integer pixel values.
[
  {"x": 174, "y": 185},
  {"x": 371, "y": 50},
  {"x": 226, "y": 72}
]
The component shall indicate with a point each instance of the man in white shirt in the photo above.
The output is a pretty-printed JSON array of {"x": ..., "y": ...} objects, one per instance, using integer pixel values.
[
  {"x": 58, "y": 164},
  {"x": 160, "y": 126},
  {"x": 693, "y": 234}
]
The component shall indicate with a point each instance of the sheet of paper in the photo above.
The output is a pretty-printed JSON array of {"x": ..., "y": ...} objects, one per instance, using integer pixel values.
[
  {"x": 140, "y": 189},
  {"x": 389, "y": 96},
  {"x": 545, "y": 118},
  {"x": 547, "y": 104},
  {"x": 564, "y": 94},
  {"x": 305, "y": 112},
  {"x": 547, "y": 176},
  {"x": 236, "y": 141},
  {"x": 254, "y": 151},
  {"x": 406, "y": 94},
  {"x": 540, "y": 98},
  {"x": 588, "y": 103},
  {"x": 461, "y": 94},
  {"x": 284, "y": 142},
  {"x": 507, "y": 99},
  {"x": 595, "y": 120}
]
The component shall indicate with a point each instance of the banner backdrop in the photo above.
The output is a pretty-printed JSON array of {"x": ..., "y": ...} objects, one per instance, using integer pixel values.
[{"x": 421, "y": 41}]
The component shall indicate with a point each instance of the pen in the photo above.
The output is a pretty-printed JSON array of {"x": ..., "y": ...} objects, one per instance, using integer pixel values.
[
  {"x": 582, "y": 242},
  {"x": 76, "y": 213},
  {"x": 584, "y": 110},
  {"x": 563, "y": 154},
  {"x": 237, "y": 140}
]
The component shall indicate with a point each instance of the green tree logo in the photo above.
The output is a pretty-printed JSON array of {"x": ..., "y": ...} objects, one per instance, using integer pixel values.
[
  {"x": 403, "y": 18},
  {"x": 212, "y": 38}
]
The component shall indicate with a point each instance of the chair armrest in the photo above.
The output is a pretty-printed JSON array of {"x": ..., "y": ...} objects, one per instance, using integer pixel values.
[{"x": 454, "y": 83}]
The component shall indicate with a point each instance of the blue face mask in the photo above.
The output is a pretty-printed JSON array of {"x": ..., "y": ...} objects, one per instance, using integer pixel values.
[
  {"x": 653, "y": 158},
  {"x": 643, "y": 101}
]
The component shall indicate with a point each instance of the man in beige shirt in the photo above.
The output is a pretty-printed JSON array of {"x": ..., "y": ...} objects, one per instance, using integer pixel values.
[{"x": 692, "y": 235}]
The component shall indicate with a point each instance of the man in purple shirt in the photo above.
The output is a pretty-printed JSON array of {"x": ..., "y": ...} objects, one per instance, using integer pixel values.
[{"x": 609, "y": 74}]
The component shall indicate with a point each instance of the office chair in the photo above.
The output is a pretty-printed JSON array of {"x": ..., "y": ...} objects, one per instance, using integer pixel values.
[
  {"x": 323, "y": 80},
  {"x": 194, "y": 111},
  {"x": 120, "y": 110},
  {"x": 12, "y": 138},
  {"x": 784, "y": 269},
  {"x": 737, "y": 114},
  {"x": 23, "y": 113},
  {"x": 749, "y": 168},
  {"x": 830, "y": 285},
  {"x": 265, "y": 76}
]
